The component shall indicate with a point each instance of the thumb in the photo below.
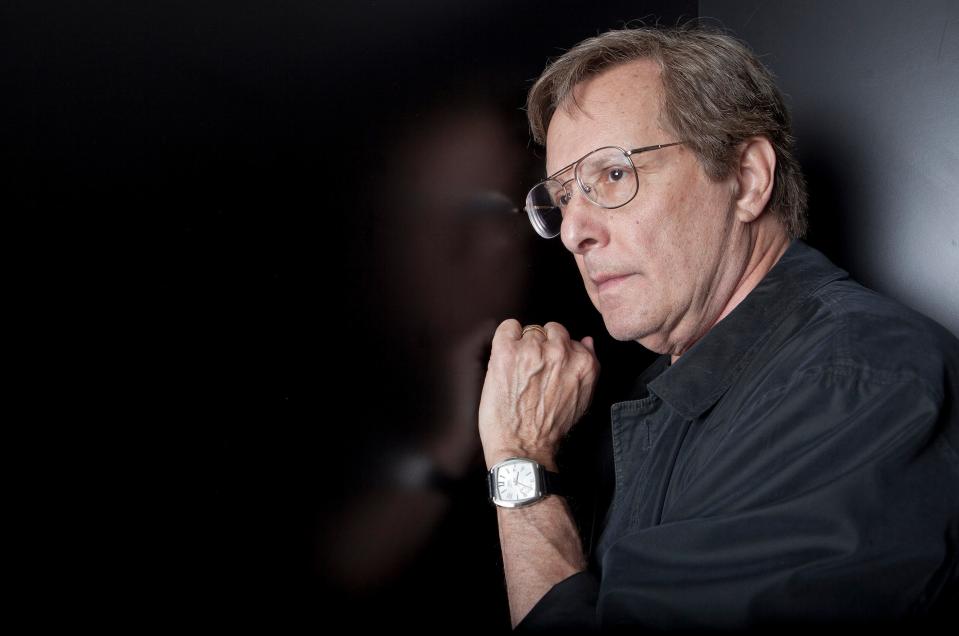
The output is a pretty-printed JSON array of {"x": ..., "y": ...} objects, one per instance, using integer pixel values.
[{"x": 589, "y": 344}]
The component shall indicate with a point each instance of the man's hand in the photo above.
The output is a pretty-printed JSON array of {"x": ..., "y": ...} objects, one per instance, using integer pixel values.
[{"x": 537, "y": 387}]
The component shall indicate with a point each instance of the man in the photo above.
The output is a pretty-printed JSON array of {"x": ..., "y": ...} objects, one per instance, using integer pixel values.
[{"x": 793, "y": 455}]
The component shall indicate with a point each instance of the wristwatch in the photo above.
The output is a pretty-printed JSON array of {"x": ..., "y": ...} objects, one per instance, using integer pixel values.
[{"x": 519, "y": 481}]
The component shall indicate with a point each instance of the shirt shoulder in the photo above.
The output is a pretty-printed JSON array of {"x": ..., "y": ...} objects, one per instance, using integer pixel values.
[
  {"x": 848, "y": 381},
  {"x": 845, "y": 327}
]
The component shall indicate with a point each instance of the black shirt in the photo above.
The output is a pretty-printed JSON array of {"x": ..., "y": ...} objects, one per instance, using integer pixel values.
[{"x": 797, "y": 465}]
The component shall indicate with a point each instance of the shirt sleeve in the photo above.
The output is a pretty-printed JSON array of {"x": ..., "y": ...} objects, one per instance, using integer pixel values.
[{"x": 570, "y": 605}]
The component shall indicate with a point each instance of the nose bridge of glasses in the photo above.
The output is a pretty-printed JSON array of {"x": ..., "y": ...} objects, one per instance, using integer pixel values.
[
  {"x": 567, "y": 191},
  {"x": 556, "y": 186}
]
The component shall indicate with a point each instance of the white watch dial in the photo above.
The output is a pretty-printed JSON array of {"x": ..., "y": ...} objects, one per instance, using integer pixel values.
[{"x": 515, "y": 482}]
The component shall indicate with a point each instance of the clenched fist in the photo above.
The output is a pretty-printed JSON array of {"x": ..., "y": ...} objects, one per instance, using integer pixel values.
[{"x": 537, "y": 387}]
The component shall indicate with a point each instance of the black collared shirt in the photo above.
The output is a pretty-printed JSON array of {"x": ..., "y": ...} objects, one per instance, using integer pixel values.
[{"x": 799, "y": 464}]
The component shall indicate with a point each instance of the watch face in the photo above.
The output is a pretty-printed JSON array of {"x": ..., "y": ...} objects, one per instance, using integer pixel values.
[{"x": 515, "y": 481}]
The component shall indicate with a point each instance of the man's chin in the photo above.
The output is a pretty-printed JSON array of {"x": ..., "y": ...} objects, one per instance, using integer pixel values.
[
  {"x": 647, "y": 338},
  {"x": 624, "y": 333}
]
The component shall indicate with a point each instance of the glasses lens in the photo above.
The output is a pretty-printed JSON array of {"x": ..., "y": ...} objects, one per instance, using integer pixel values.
[
  {"x": 607, "y": 177},
  {"x": 542, "y": 205}
]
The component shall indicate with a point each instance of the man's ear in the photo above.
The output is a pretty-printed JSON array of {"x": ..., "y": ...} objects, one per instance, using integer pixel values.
[{"x": 755, "y": 176}]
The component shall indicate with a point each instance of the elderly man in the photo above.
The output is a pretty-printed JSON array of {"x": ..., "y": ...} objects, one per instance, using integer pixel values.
[{"x": 793, "y": 454}]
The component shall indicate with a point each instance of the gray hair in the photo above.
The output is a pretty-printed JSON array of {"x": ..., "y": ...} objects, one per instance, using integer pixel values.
[{"x": 716, "y": 94}]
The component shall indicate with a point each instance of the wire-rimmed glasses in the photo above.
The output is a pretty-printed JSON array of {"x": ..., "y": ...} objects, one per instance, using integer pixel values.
[{"x": 606, "y": 176}]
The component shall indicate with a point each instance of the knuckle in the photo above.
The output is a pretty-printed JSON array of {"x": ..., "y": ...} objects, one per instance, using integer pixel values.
[
  {"x": 557, "y": 327},
  {"x": 500, "y": 336},
  {"x": 507, "y": 324},
  {"x": 589, "y": 365}
]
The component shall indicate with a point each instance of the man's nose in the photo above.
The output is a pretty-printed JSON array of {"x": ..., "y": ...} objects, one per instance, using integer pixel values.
[{"x": 583, "y": 223}]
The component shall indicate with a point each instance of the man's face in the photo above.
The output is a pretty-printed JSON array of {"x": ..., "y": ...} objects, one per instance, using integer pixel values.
[{"x": 670, "y": 243}]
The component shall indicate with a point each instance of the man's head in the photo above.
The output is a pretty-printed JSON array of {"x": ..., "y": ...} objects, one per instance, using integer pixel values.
[
  {"x": 715, "y": 95},
  {"x": 687, "y": 240}
]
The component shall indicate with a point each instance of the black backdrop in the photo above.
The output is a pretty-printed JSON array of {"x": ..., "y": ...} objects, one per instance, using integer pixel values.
[{"x": 208, "y": 187}]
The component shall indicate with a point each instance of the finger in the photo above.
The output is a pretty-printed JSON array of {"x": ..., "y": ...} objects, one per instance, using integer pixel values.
[
  {"x": 556, "y": 331},
  {"x": 535, "y": 332},
  {"x": 509, "y": 329}
]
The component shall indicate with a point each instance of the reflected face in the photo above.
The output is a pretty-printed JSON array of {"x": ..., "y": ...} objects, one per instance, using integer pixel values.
[
  {"x": 667, "y": 247},
  {"x": 460, "y": 249}
]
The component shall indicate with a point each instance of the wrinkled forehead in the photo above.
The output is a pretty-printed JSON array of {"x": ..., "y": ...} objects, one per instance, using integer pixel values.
[{"x": 618, "y": 107}]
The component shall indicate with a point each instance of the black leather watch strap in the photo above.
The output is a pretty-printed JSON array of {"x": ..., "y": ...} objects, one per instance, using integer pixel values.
[{"x": 553, "y": 483}]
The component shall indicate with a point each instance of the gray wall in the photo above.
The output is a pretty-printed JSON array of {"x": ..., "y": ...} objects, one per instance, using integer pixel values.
[{"x": 874, "y": 91}]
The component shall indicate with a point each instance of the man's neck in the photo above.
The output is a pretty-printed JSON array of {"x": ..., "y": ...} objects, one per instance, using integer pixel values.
[{"x": 767, "y": 251}]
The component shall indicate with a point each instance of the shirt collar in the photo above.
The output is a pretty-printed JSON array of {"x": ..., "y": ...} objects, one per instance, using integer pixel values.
[{"x": 701, "y": 375}]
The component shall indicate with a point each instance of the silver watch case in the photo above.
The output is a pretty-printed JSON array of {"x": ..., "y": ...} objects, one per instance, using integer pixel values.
[{"x": 538, "y": 481}]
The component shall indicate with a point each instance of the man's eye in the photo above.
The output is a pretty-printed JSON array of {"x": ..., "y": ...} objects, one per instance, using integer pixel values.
[
  {"x": 615, "y": 174},
  {"x": 564, "y": 199}
]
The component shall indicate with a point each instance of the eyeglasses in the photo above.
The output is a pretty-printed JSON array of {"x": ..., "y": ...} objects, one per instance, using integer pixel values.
[{"x": 606, "y": 176}]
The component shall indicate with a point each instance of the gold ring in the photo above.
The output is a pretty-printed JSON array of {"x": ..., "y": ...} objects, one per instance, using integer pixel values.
[{"x": 534, "y": 328}]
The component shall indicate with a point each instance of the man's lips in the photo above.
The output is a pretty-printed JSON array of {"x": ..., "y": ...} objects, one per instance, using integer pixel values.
[{"x": 605, "y": 281}]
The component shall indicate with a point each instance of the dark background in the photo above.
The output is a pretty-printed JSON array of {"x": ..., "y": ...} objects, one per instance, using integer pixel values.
[{"x": 207, "y": 187}]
